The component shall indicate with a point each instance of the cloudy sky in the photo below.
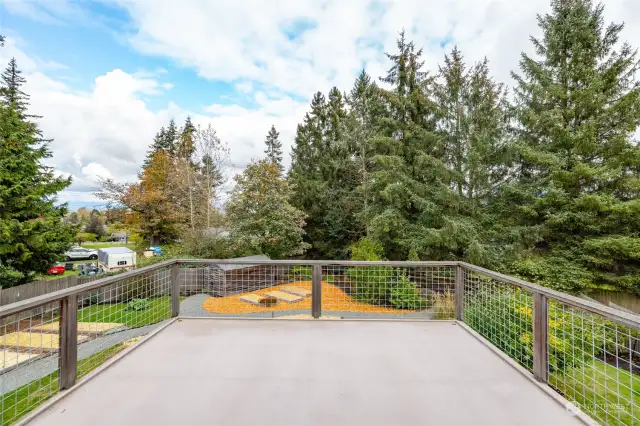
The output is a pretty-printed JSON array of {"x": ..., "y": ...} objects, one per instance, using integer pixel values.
[{"x": 106, "y": 75}]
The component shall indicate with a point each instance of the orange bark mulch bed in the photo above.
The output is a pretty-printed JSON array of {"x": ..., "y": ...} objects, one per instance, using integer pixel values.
[{"x": 333, "y": 299}]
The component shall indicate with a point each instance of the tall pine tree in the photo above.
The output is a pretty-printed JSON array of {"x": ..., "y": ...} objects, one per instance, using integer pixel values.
[
  {"x": 166, "y": 140},
  {"x": 473, "y": 119},
  {"x": 32, "y": 232},
  {"x": 274, "y": 148},
  {"x": 413, "y": 210},
  {"x": 574, "y": 202}
]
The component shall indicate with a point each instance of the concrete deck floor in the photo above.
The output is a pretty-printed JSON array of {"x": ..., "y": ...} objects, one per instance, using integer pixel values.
[{"x": 235, "y": 372}]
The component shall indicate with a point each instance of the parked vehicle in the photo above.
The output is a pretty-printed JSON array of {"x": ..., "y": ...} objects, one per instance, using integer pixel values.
[
  {"x": 157, "y": 250},
  {"x": 56, "y": 269},
  {"x": 79, "y": 253},
  {"x": 116, "y": 258},
  {"x": 90, "y": 269}
]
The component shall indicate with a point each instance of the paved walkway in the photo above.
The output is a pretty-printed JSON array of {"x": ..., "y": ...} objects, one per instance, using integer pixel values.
[
  {"x": 247, "y": 373},
  {"x": 41, "y": 367}
]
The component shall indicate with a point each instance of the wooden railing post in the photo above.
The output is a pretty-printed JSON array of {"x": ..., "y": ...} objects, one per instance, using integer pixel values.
[
  {"x": 175, "y": 289},
  {"x": 316, "y": 291},
  {"x": 68, "y": 340},
  {"x": 540, "y": 335},
  {"x": 459, "y": 293}
]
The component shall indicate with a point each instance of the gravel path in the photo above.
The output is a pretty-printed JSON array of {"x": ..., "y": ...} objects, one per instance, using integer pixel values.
[
  {"x": 192, "y": 306},
  {"x": 35, "y": 370}
]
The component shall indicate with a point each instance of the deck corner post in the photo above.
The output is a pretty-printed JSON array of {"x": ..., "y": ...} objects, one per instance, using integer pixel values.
[
  {"x": 459, "y": 293},
  {"x": 316, "y": 291},
  {"x": 68, "y": 342},
  {"x": 540, "y": 336},
  {"x": 175, "y": 289}
]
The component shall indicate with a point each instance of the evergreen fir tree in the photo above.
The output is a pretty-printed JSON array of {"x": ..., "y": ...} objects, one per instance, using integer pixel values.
[
  {"x": 413, "y": 209},
  {"x": 274, "y": 148},
  {"x": 170, "y": 138},
  {"x": 186, "y": 143},
  {"x": 472, "y": 119},
  {"x": 32, "y": 232},
  {"x": 166, "y": 140},
  {"x": 325, "y": 178},
  {"x": 574, "y": 203},
  {"x": 12, "y": 94}
]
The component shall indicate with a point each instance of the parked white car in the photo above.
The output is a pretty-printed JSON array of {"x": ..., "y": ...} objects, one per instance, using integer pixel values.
[{"x": 79, "y": 253}]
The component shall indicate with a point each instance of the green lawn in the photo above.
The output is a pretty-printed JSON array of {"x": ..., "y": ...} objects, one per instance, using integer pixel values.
[
  {"x": 19, "y": 402},
  {"x": 66, "y": 273},
  {"x": 159, "y": 310},
  {"x": 608, "y": 394}
]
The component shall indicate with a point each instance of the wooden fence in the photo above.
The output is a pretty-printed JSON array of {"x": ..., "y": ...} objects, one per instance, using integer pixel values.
[
  {"x": 38, "y": 288},
  {"x": 191, "y": 282}
]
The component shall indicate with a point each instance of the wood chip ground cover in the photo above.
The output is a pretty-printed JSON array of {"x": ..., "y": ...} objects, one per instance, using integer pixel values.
[{"x": 333, "y": 299}]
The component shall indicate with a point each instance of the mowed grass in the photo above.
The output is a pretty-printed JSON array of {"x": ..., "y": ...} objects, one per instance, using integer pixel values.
[
  {"x": 17, "y": 403},
  {"x": 48, "y": 277},
  {"x": 608, "y": 394},
  {"x": 160, "y": 309}
]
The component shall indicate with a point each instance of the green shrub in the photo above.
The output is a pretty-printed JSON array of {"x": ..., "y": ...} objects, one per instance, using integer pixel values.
[
  {"x": 504, "y": 316},
  {"x": 384, "y": 286},
  {"x": 203, "y": 246},
  {"x": 82, "y": 237},
  {"x": 302, "y": 273},
  {"x": 555, "y": 272},
  {"x": 405, "y": 295},
  {"x": 371, "y": 284},
  {"x": 138, "y": 305},
  {"x": 367, "y": 250}
]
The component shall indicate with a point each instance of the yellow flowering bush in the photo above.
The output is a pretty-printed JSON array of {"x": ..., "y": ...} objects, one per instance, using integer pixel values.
[{"x": 504, "y": 316}]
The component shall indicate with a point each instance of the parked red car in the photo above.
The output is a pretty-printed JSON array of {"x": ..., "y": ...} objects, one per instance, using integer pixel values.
[{"x": 56, "y": 270}]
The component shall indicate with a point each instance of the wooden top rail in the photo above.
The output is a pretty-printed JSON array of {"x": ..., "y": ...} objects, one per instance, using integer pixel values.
[
  {"x": 621, "y": 317},
  {"x": 627, "y": 319},
  {"x": 313, "y": 262},
  {"x": 35, "y": 302}
]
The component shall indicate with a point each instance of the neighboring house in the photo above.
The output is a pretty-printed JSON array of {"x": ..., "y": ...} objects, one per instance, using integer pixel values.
[
  {"x": 226, "y": 279},
  {"x": 120, "y": 237}
]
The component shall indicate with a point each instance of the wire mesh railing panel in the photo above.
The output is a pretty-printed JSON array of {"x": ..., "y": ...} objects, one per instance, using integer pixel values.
[
  {"x": 245, "y": 290},
  {"x": 116, "y": 316},
  {"x": 502, "y": 313},
  {"x": 388, "y": 292},
  {"x": 595, "y": 364},
  {"x": 29, "y": 349}
]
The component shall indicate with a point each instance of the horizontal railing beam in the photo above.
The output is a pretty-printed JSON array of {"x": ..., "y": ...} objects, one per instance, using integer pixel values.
[
  {"x": 624, "y": 318},
  {"x": 35, "y": 302},
  {"x": 627, "y": 319},
  {"x": 312, "y": 262}
]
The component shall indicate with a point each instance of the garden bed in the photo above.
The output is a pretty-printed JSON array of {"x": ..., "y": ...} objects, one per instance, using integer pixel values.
[{"x": 334, "y": 298}]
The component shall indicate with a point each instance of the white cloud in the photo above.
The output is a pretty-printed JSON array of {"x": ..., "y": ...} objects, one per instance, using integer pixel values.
[
  {"x": 245, "y": 40},
  {"x": 103, "y": 132},
  {"x": 249, "y": 44},
  {"x": 245, "y": 86},
  {"x": 245, "y": 129}
]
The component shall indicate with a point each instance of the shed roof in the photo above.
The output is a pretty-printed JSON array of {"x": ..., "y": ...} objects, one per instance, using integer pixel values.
[
  {"x": 116, "y": 250},
  {"x": 231, "y": 267}
]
